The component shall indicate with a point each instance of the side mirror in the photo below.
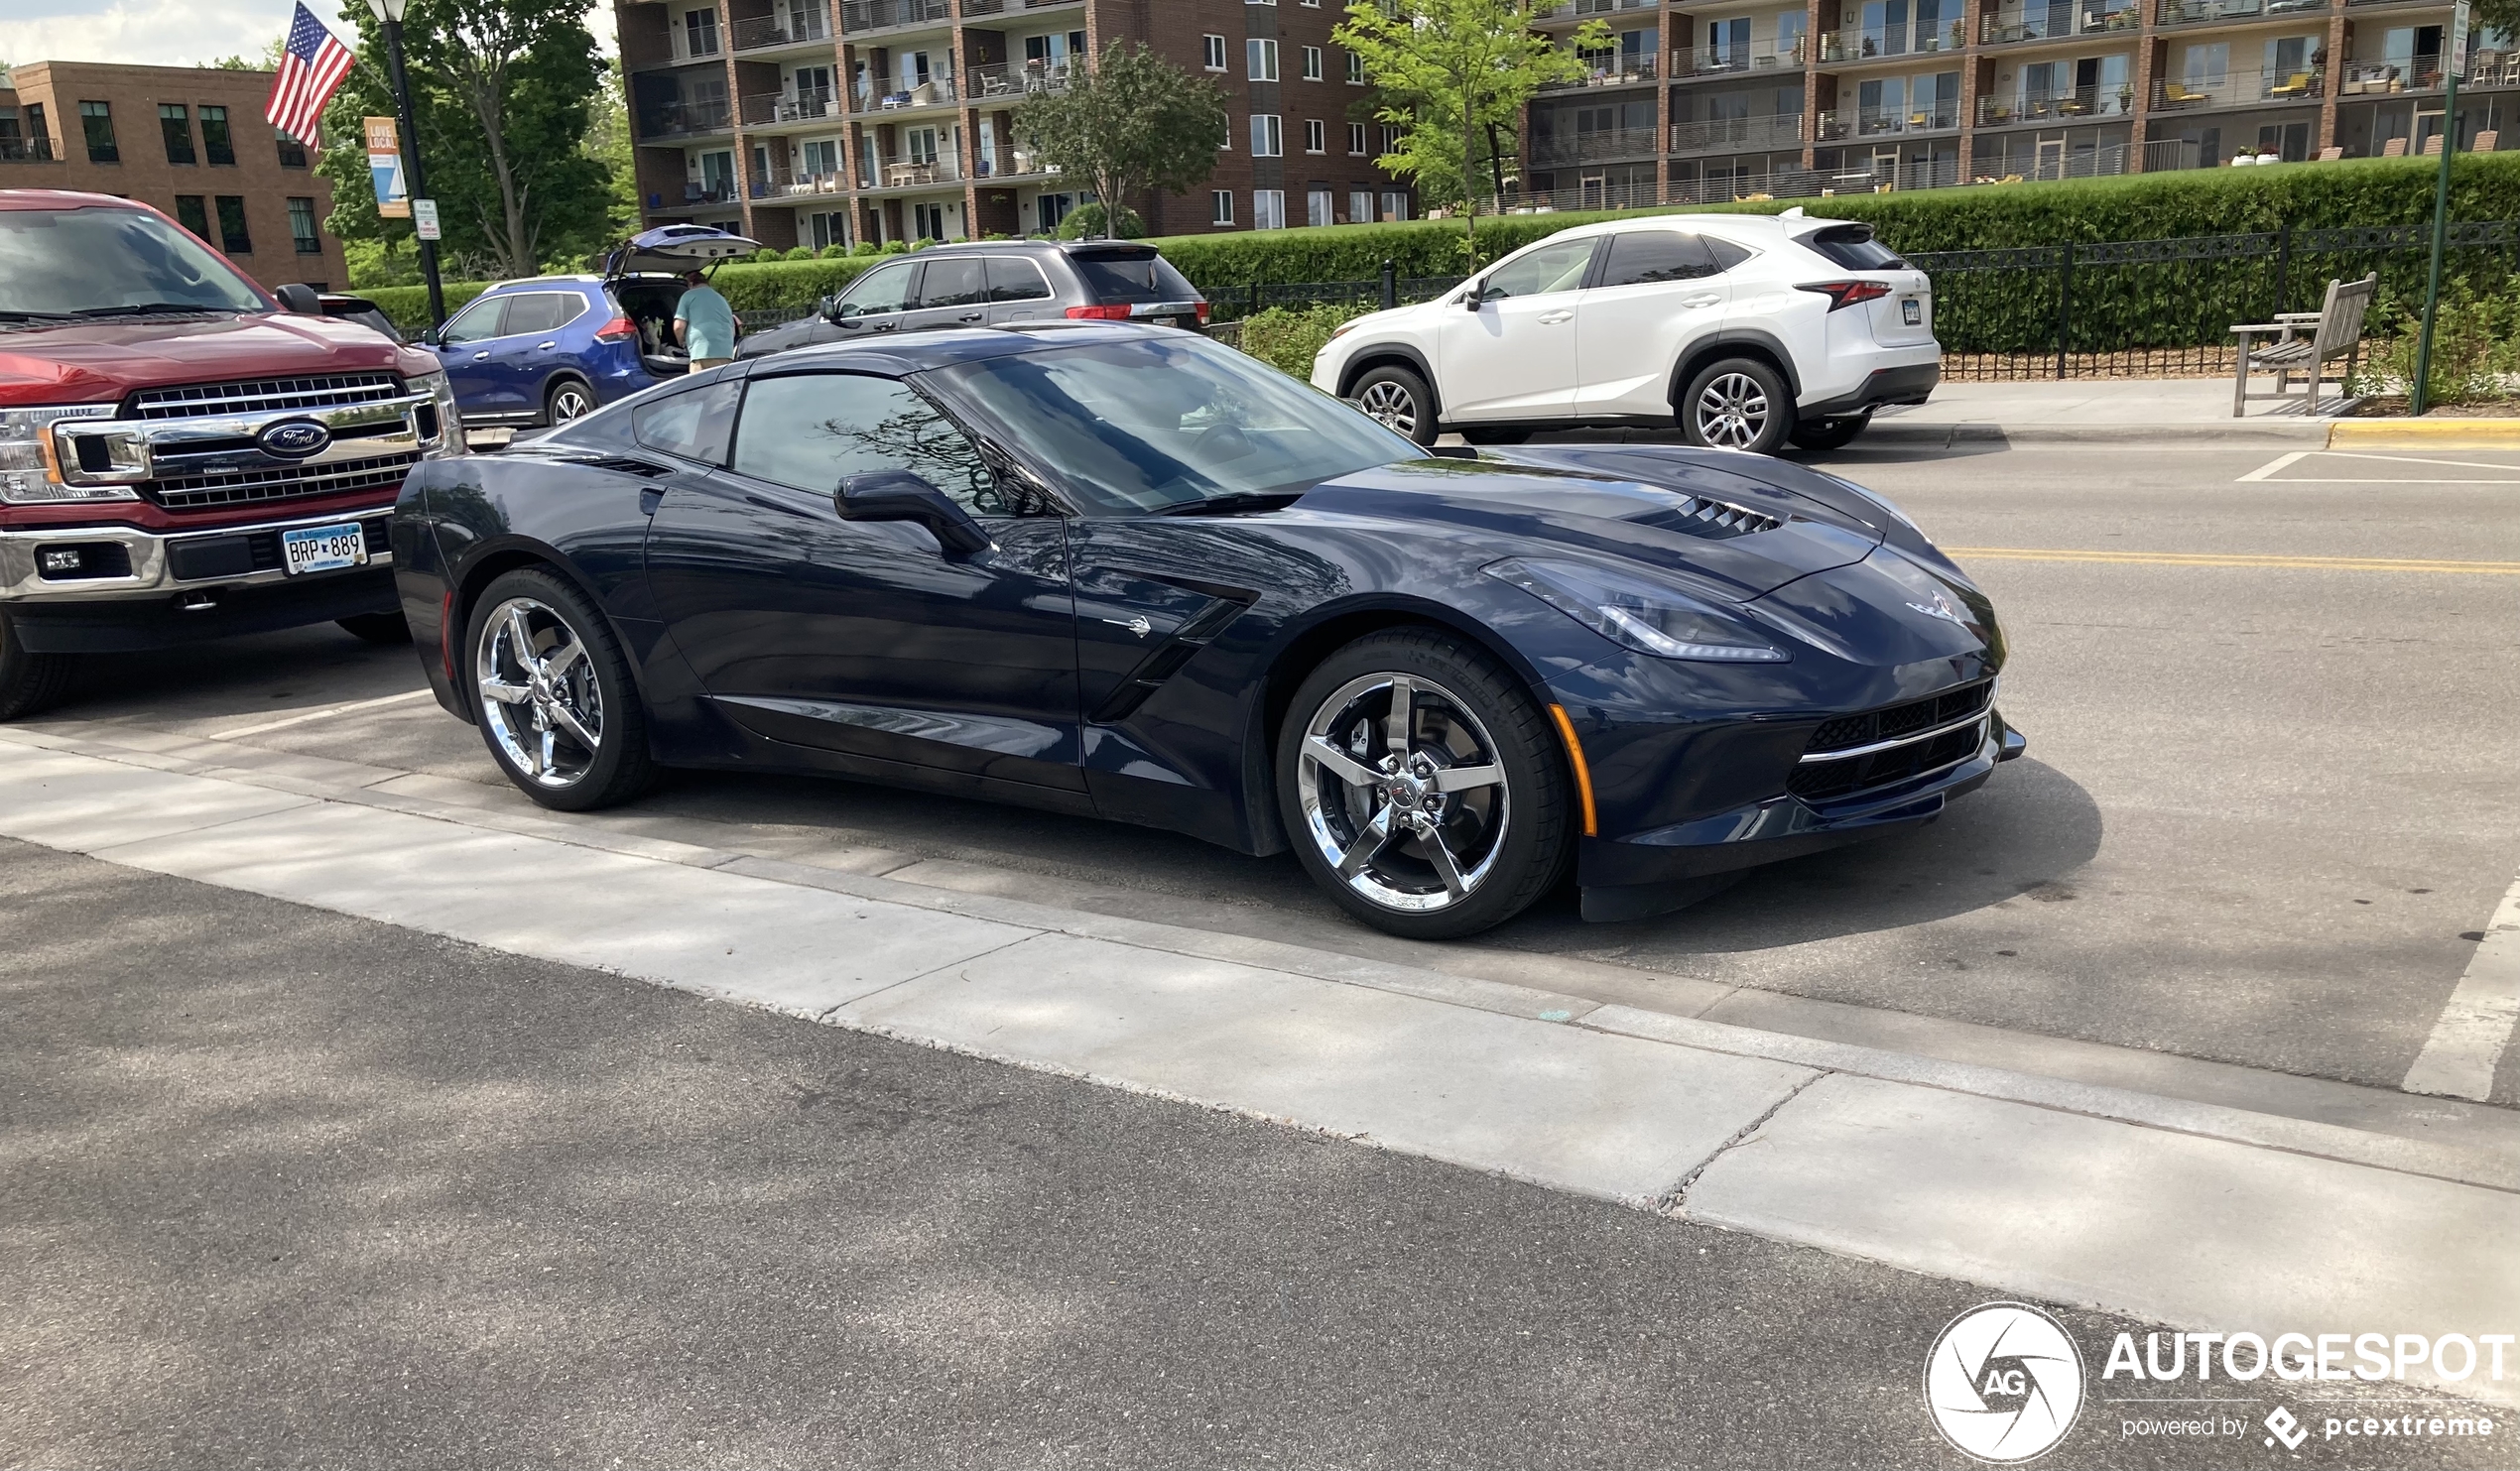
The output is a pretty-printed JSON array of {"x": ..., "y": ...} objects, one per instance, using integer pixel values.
[
  {"x": 900, "y": 495},
  {"x": 428, "y": 338},
  {"x": 299, "y": 298},
  {"x": 1475, "y": 300},
  {"x": 829, "y": 309}
]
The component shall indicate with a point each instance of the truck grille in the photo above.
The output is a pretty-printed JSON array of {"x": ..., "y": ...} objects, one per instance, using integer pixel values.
[
  {"x": 265, "y": 394},
  {"x": 281, "y": 483}
]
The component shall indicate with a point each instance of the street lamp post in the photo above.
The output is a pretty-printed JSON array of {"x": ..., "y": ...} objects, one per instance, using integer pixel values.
[{"x": 389, "y": 16}]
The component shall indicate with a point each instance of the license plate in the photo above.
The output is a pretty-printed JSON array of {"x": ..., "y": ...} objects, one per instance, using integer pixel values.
[
  {"x": 323, "y": 548},
  {"x": 1913, "y": 312}
]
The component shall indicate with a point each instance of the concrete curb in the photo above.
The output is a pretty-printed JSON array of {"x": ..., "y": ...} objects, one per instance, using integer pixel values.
[
  {"x": 2238, "y": 433},
  {"x": 2425, "y": 433}
]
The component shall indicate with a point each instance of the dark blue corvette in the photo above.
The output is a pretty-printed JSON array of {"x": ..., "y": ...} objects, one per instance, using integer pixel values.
[{"x": 1124, "y": 572}]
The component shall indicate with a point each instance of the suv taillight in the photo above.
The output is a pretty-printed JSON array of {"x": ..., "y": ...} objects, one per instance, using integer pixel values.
[
  {"x": 1203, "y": 314},
  {"x": 619, "y": 330},
  {"x": 1848, "y": 293},
  {"x": 1115, "y": 311}
]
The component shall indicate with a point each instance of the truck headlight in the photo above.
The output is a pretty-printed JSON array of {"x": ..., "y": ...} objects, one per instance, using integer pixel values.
[{"x": 30, "y": 466}]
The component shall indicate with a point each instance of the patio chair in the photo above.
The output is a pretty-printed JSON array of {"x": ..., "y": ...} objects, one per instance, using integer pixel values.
[
  {"x": 2176, "y": 94},
  {"x": 2294, "y": 85},
  {"x": 2484, "y": 142},
  {"x": 2432, "y": 146},
  {"x": 2334, "y": 333},
  {"x": 2331, "y": 153},
  {"x": 2395, "y": 148}
]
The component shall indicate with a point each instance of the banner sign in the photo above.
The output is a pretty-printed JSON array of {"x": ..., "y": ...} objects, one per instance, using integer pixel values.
[{"x": 385, "y": 166}]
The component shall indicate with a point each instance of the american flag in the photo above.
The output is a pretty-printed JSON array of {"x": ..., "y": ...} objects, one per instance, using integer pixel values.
[{"x": 310, "y": 71}]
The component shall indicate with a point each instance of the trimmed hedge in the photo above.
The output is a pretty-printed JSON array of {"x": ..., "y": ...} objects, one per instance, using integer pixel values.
[{"x": 767, "y": 287}]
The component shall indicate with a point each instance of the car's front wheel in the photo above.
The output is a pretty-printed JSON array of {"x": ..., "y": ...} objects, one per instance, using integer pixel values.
[
  {"x": 29, "y": 683},
  {"x": 1739, "y": 403},
  {"x": 558, "y": 705},
  {"x": 1834, "y": 432},
  {"x": 1422, "y": 785},
  {"x": 1401, "y": 399}
]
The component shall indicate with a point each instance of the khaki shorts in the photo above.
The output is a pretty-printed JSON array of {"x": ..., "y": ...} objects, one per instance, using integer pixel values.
[{"x": 699, "y": 363}]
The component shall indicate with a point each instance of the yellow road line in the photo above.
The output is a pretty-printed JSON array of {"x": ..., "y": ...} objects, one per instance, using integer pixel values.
[{"x": 2238, "y": 559}]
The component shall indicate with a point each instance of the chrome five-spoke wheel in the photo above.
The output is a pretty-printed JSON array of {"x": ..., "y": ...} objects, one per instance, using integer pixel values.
[
  {"x": 1402, "y": 793},
  {"x": 540, "y": 703},
  {"x": 1731, "y": 411},
  {"x": 571, "y": 402}
]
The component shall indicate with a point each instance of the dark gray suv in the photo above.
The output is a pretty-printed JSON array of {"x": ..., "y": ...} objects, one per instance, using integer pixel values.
[{"x": 986, "y": 283}]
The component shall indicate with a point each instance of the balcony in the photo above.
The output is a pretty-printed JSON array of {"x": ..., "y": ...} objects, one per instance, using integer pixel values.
[
  {"x": 1889, "y": 44},
  {"x": 902, "y": 171},
  {"x": 2212, "y": 11},
  {"x": 971, "y": 8},
  {"x": 2420, "y": 74},
  {"x": 1776, "y": 130},
  {"x": 695, "y": 196},
  {"x": 1609, "y": 72},
  {"x": 39, "y": 151},
  {"x": 2237, "y": 89},
  {"x": 937, "y": 92},
  {"x": 2058, "y": 23},
  {"x": 1012, "y": 80},
  {"x": 682, "y": 49},
  {"x": 1876, "y": 122},
  {"x": 860, "y": 16},
  {"x": 2074, "y": 105},
  {"x": 1582, "y": 8},
  {"x": 1586, "y": 148},
  {"x": 783, "y": 109},
  {"x": 1023, "y": 162},
  {"x": 1730, "y": 61},
  {"x": 698, "y": 119},
  {"x": 785, "y": 183},
  {"x": 771, "y": 32}
]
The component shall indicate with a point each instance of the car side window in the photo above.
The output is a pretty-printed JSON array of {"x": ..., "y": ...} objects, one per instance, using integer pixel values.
[
  {"x": 812, "y": 430},
  {"x": 953, "y": 281},
  {"x": 1653, "y": 257},
  {"x": 884, "y": 289},
  {"x": 1015, "y": 279},
  {"x": 1727, "y": 254},
  {"x": 477, "y": 322},
  {"x": 1551, "y": 267},
  {"x": 540, "y": 311},
  {"x": 692, "y": 424}
]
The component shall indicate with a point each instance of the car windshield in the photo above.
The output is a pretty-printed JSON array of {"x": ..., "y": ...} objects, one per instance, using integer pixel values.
[
  {"x": 71, "y": 261},
  {"x": 1149, "y": 426}
]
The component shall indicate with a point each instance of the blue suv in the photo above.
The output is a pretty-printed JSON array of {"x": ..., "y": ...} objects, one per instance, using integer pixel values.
[{"x": 553, "y": 348}]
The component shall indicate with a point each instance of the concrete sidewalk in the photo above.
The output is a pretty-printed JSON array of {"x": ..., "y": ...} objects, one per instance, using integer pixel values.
[
  {"x": 2095, "y": 409},
  {"x": 2201, "y": 1217}
]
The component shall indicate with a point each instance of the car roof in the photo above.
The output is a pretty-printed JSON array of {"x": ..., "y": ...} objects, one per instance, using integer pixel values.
[
  {"x": 920, "y": 352},
  {"x": 524, "y": 281},
  {"x": 68, "y": 199},
  {"x": 1046, "y": 247},
  {"x": 1760, "y": 224}
]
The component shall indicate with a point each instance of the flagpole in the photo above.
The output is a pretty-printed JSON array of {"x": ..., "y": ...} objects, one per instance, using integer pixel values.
[{"x": 389, "y": 14}]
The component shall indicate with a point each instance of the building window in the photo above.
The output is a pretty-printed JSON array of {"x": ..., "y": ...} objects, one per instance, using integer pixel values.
[
  {"x": 193, "y": 212},
  {"x": 1317, "y": 207},
  {"x": 829, "y": 228},
  {"x": 1259, "y": 2},
  {"x": 1221, "y": 205},
  {"x": 1214, "y": 49},
  {"x": 1267, "y": 209},
  {"x": 1312, "y": 63},
  {"x": 1395, "y": 204},
  {"x": 1361, "y": 206},
  {"x": 1390, "y": 138},
  {"x": 1267, "y": 141},
  {"x": 97, "y": 120},
  {"x": 1313, "y": 131},
  {"x": 218, "y": 145},
  {"x": 1356, "y": 70},
  {"x": 175, "y": 121},
  {"x": 231, "y": 225},
  {"x": 301, "y": 226},
  {"x": 699, "y": 32},
  {"x": 1260, "y": 59},
  {"x": 1356, "y": 139}
]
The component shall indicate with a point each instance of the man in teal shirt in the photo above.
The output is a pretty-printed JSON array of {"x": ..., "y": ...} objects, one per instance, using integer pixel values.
[{"x": 704, "y": 323}]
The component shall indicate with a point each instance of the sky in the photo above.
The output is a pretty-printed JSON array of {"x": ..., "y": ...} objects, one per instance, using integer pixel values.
[{"x": 172, "y": 33}]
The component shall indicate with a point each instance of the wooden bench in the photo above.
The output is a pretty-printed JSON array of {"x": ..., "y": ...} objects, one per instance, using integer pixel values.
[{"x": 2333, "y": 331}]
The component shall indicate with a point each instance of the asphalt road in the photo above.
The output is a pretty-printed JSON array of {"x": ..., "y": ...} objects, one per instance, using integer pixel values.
[
  {"x": 283, "y": 1187},
  {"x": 2265, "y": 810}
]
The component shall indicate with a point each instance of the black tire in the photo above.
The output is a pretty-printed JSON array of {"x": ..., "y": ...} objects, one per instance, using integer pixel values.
[
  {"x": 1507, "y": 840},
  {"x": 1399, "y": 398},
  {"x": 376, "y": 628},
  {"x": 1738, "y": 403},
  {"x": 1830, "y": 434},
  {"x": 567, "y": 401},
  {"x": 596, "y": 691},
  {"x": 1507, "y": 435},
  {"x": 29, "y": 683}
]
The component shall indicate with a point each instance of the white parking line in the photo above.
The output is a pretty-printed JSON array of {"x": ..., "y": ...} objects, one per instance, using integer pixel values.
[
  {"x": 327, "y": 713},
  {"x": 2413, "y": 459},
  {"x": 2282, "y": 462},
  {"x": 2279, "y": 462},
  {"x": 2468, "y": 1041}
]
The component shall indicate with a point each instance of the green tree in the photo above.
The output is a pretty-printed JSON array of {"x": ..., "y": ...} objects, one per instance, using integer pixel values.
[
  {"x": 1136, "y": 123},
  {"x": 268, "y": 61},
  {"x": 609, "y": 143},
  {"x": 1452, "y": 74},
  {"x": 504, "y": 94}
]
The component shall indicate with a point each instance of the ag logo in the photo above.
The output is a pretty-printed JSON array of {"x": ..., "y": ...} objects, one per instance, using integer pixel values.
[
  {"x": 2003, "y": 1382},
  {"x": 293, "y": 439}
]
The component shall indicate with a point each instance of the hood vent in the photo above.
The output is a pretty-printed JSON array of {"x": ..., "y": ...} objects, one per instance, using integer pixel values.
[{"x": 1701, "y": 517}]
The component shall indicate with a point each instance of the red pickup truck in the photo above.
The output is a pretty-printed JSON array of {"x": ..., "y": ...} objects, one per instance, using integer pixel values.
[{"x": 182, "y": 457}]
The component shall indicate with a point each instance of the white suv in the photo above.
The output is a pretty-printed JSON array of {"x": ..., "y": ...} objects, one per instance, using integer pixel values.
[{"x": 1751, "y": 330}]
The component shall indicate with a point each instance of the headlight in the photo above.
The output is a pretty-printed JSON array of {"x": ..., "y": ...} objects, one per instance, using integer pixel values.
[
  {"x": 1634, "y": 613},
  {"x": 1343, "y": 328},
  {"x": 449, "y": 420},
  {"x": 29, "y": 471}
]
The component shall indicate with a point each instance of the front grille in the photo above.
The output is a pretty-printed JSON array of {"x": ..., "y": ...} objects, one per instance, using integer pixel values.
[
  {"x": 282, "y": 482},
  {"x": 265, "y": 394},
  {"x": 1849, "y": 731},
  {"x": 200, "y": 558},
  {"x": 1822, "y": 780}
]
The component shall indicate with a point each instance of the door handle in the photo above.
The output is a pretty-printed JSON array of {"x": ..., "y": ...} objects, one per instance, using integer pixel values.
[
  {"x": 971, "y": 316},
  {"x": 546, "y": 346},
  {"x": 478, "y": 356},
  {"x": 1552, "y": 319},
  {"x": 1706, "y": 300}
]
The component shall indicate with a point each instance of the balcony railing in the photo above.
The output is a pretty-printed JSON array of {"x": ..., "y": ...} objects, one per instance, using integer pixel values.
[
  {"x": 1604, "y": 7},
  {"x": 1610, "y": 72},
  {"x": 935, "y": 91},
  {"x": 1766, "y": 131},
  {"x": 896, "y": 170},
  {"x": 2391, "y": 75},
  {"x": 1609, "y": 143},
  {"x": 1873, "y": 122},
  {"x": 876, "y": 15},
  {"x": 1022, "y": 161},
  {"x": 797, "y": 28},
  {"x": 769, "y": 109},
  {"x": 1020, "y": 78},
  {"x": 2205, "y": 12},
  {"x": 686, "y": 119},
  {"x": 693, "y": 196},
  {"x": 2057, "y": 22},
  {"x": 788, "y": 184},
  {"x": 1878, "y": 42},
  {"x": 39, "y": 151},
  {"x": 1720, "y": 61},
  {"x": 2071, "y": 106},
  {"x": 2238, "y": 88}
]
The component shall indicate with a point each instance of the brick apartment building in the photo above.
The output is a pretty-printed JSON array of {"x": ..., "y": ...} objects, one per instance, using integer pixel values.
[
  {"x": 1699, "y": 100},
  {"x": 815, "y": 122},
  {"x": 189, "y": 140}
]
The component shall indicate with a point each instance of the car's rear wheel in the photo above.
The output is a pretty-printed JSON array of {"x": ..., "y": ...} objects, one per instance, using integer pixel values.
[
  {"x": 1401, "y": 399},
  {"x": 29, "y": 683},
  {"x": 377, "y": 628},
  {"x": 1422, "y": 785},
  {"x": 568, "y": 401},
  {"x": 1739, "y": 403},
  {"x": 1834, "y": 432},
  {"x": 559, "y": 709}
]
